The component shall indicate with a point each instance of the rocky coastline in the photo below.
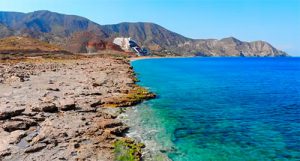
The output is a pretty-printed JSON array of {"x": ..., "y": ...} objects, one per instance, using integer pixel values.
[{"x": 67, "y": 108}]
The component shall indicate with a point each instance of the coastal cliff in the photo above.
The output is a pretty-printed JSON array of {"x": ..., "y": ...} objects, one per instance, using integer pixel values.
[{"x": 74, "y": 33}]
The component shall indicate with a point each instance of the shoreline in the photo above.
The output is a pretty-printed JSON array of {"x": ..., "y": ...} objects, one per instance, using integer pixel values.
[
  {"x": 174, "y": 57},
  {"x": 156, "y": 57},
  {"x": 153, "y": 149}
]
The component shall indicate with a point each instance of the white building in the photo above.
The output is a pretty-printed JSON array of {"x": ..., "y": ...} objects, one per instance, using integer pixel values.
[
  {"x": 123, "y": 42},
  {"x": 127, "y": 44}
]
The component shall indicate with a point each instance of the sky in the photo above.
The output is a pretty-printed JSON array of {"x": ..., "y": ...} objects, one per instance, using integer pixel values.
[{"x": 274, "y": 21}]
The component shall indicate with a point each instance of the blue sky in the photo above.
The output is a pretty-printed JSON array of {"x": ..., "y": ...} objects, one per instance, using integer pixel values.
[{"x": 275, "y": 21}]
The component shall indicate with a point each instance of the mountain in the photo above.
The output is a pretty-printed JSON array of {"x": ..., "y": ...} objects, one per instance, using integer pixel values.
[
  {"x": 48, "y": 22},
  {"x": 74, "y": 33},
  {"x": 151, "y": 35},
  {"x": 160, "y": 39},
  {"x": 229, "y": 47},
  {"x": 5, "y": 31}
]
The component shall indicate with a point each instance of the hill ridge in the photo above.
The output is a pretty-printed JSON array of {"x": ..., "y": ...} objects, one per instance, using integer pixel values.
[{"x": 59, "y": 28}]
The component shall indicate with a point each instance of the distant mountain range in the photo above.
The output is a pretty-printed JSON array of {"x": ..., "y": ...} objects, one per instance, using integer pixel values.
[{"x": 73, "y": 33}]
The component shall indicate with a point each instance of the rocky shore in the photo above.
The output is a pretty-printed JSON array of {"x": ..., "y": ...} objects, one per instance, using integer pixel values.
[{"x": 65, "y": 109}]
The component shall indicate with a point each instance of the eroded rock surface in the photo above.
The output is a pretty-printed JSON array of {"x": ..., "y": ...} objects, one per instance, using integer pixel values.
[{"x": 55, "y": 110}]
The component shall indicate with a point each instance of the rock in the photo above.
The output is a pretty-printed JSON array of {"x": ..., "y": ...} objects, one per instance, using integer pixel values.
[
  {"x": 95, "y": 94},
  {"x": 23, "y": 78},
  {"x": 53, "y": 89},
  {"x": 76, "y": 145},
  {"x": 96, "y": 84},
  {"x": 16, "y": 136},
  {"x": 29, "y": 113},
  {"x": 10, "y": 112},
  {"x": 98, "y": 103},
  {"x": 39, "y": 118},
  {"x": 62, "y": 158},
  {"x": 67, "y": 104},
  {"x": 23, "y": 118},
  {"x": 50, "y": 81},
  {"x": 35, "y": 148},
  {"x": 10, "y": 126},
  {"x": 13, "y": 79},
  {"x": 51, "y": 108},
  {"x": 110, "y": 123},
  {"x": 119, "y": 131},
  {"x": 5, "y": 153},
  {"x": 45, "y": 107}
]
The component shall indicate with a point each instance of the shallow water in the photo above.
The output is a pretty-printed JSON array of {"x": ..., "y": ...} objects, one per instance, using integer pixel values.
[{"x": 220, "y": 108}]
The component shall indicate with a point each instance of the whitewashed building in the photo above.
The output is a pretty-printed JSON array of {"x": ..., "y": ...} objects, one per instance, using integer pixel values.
[
  {"x": 123, "y": 42},
  {"x": 127, "y": 44}
]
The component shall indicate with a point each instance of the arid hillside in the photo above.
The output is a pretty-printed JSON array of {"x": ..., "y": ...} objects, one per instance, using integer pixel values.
[{"x": 24, "y": 45}]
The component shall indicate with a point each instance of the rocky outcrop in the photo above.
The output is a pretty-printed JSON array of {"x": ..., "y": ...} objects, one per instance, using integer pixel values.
[{"x": 62, "y": 110}]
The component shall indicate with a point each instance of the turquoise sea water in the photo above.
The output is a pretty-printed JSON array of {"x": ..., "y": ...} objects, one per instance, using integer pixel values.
[{"x": 221, "y": 108}]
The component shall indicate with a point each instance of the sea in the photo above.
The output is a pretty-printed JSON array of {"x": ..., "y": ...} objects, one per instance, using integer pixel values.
[{"x": 219, "y": 109}]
